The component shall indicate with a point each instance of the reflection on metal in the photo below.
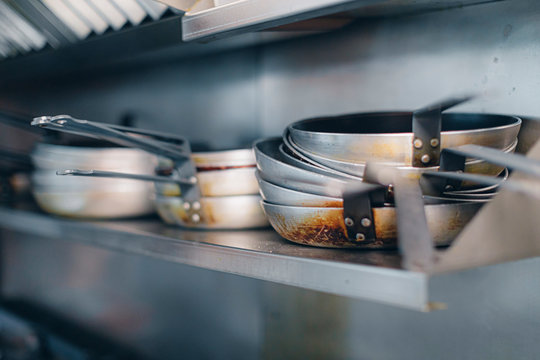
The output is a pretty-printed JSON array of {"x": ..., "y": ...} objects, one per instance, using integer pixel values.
[
  {"x": 31, "y": 25},
  {"x": 259, "y": 254},
  {"x": 252, "y": 15}
]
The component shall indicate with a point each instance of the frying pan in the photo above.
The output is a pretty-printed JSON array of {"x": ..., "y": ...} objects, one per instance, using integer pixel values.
[
  {"x": 123, "y": 201},
  {"x": 222, "y": 212},
  {"x": 92, "y": 198},
  {"x": 325, "y": 226},
  {"x": 278, "y": 195},
  {"x": 388, "y": 137},
  {"x": 357, "y": 169},
  {"x": 273, "y": 168}
]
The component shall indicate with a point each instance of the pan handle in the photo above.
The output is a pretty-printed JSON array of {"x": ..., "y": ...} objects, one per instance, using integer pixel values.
[
  {"x": 119, "y": 175},
  {"x": 426, "y": 127},
  {"x": 453, "y": 160},
  {"x": 453, "y": 157},
  {"x": 118, "y": 134},
  {"x": 517, "y": 186}
]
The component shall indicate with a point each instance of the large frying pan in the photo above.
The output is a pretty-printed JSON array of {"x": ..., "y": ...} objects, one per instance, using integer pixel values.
[
  {"x": 347, "y": 168},
  {"x": 394, "y": 137},
  {"x": 325, "y": 227}
]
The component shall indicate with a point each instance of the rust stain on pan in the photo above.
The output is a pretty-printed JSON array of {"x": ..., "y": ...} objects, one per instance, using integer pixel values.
[{"x": 326, "y": 229}]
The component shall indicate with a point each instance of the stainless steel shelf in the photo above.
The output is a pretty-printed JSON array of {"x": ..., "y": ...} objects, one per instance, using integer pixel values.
[
  {"x": 253, "y": 15},
  {"x": 260, "y": 254}
]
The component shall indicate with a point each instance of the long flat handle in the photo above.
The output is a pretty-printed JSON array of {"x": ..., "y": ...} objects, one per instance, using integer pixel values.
[
  {"x": 118, "y": 135},
  {"x": 118, "y": 175},
  {"x": 445, "y": 104},
  {"x": 512, "y": 185},
  {"x": 510, "y": 160}
]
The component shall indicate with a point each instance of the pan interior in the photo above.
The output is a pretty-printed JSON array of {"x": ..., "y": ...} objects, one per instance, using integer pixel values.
[{"x": 398, "y": 122}]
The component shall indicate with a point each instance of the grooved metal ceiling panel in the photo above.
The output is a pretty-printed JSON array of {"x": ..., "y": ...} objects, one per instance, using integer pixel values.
[{"x": 32, "y": 25}]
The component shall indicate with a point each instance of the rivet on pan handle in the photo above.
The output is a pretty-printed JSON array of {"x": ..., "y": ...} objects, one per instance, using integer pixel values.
[
  {"x": 426, "y": 127},
  {"x": 358, "y": 200}
]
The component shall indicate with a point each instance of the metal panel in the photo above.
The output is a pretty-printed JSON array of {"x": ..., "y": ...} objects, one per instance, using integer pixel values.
[{"x": 253, "y": 15}]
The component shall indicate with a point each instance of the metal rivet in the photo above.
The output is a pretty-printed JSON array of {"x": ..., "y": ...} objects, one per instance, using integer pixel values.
[
  {"x": 425, "y": 158},
  {"x": 187, "y": 206},
  {"x": 196, "y": 218},
  {"x": 365, "y": 222},
  {"x": 349, "y": 222},
  {"x": 196, "y": 205},
  {"x": 434, "y": 142},
  {"x": 360, "y": 237},
  {"x": 418, "y": 143}
]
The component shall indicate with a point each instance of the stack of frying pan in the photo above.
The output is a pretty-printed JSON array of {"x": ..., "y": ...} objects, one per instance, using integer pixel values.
[
  {"x": 207, "y": 190},
  {"x": 319, "y": 189}
]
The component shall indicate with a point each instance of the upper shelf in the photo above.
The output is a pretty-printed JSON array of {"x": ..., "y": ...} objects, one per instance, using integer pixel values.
[
  {"x": 254, "y": 15},
  {"x": 137, "y": 27}
]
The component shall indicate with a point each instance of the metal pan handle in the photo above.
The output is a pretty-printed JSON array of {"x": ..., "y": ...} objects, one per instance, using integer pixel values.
[
  {"x": 453, "y": 157},
  {"x": 120, "y": 135},
  {"x": 119, "y": 175},
  {"x": 512, "y": 185},
  {"x": 426, "y": 127},
  {"x": 453, "y": 160}
]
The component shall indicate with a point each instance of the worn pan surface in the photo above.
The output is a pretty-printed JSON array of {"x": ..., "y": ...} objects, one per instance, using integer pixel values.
[
  {"x": 276, "y": 170},
  {"x": 216, "y": 160},
  {"x": 357, "y": 169},
  {"x": 387, "y": 136},
  {"x": 227, "y": 212},
  {"x": 235, "y": 181},
  {"x": 127, "y": 201},
  {"x": 325, "y": 227},
  {"x": 275, "y": 194}
]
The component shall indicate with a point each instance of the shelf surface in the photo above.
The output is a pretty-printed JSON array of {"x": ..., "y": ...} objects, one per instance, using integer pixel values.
[
  {"x": 260, "y": 254},
  {"x": 254, "y": 15}
]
